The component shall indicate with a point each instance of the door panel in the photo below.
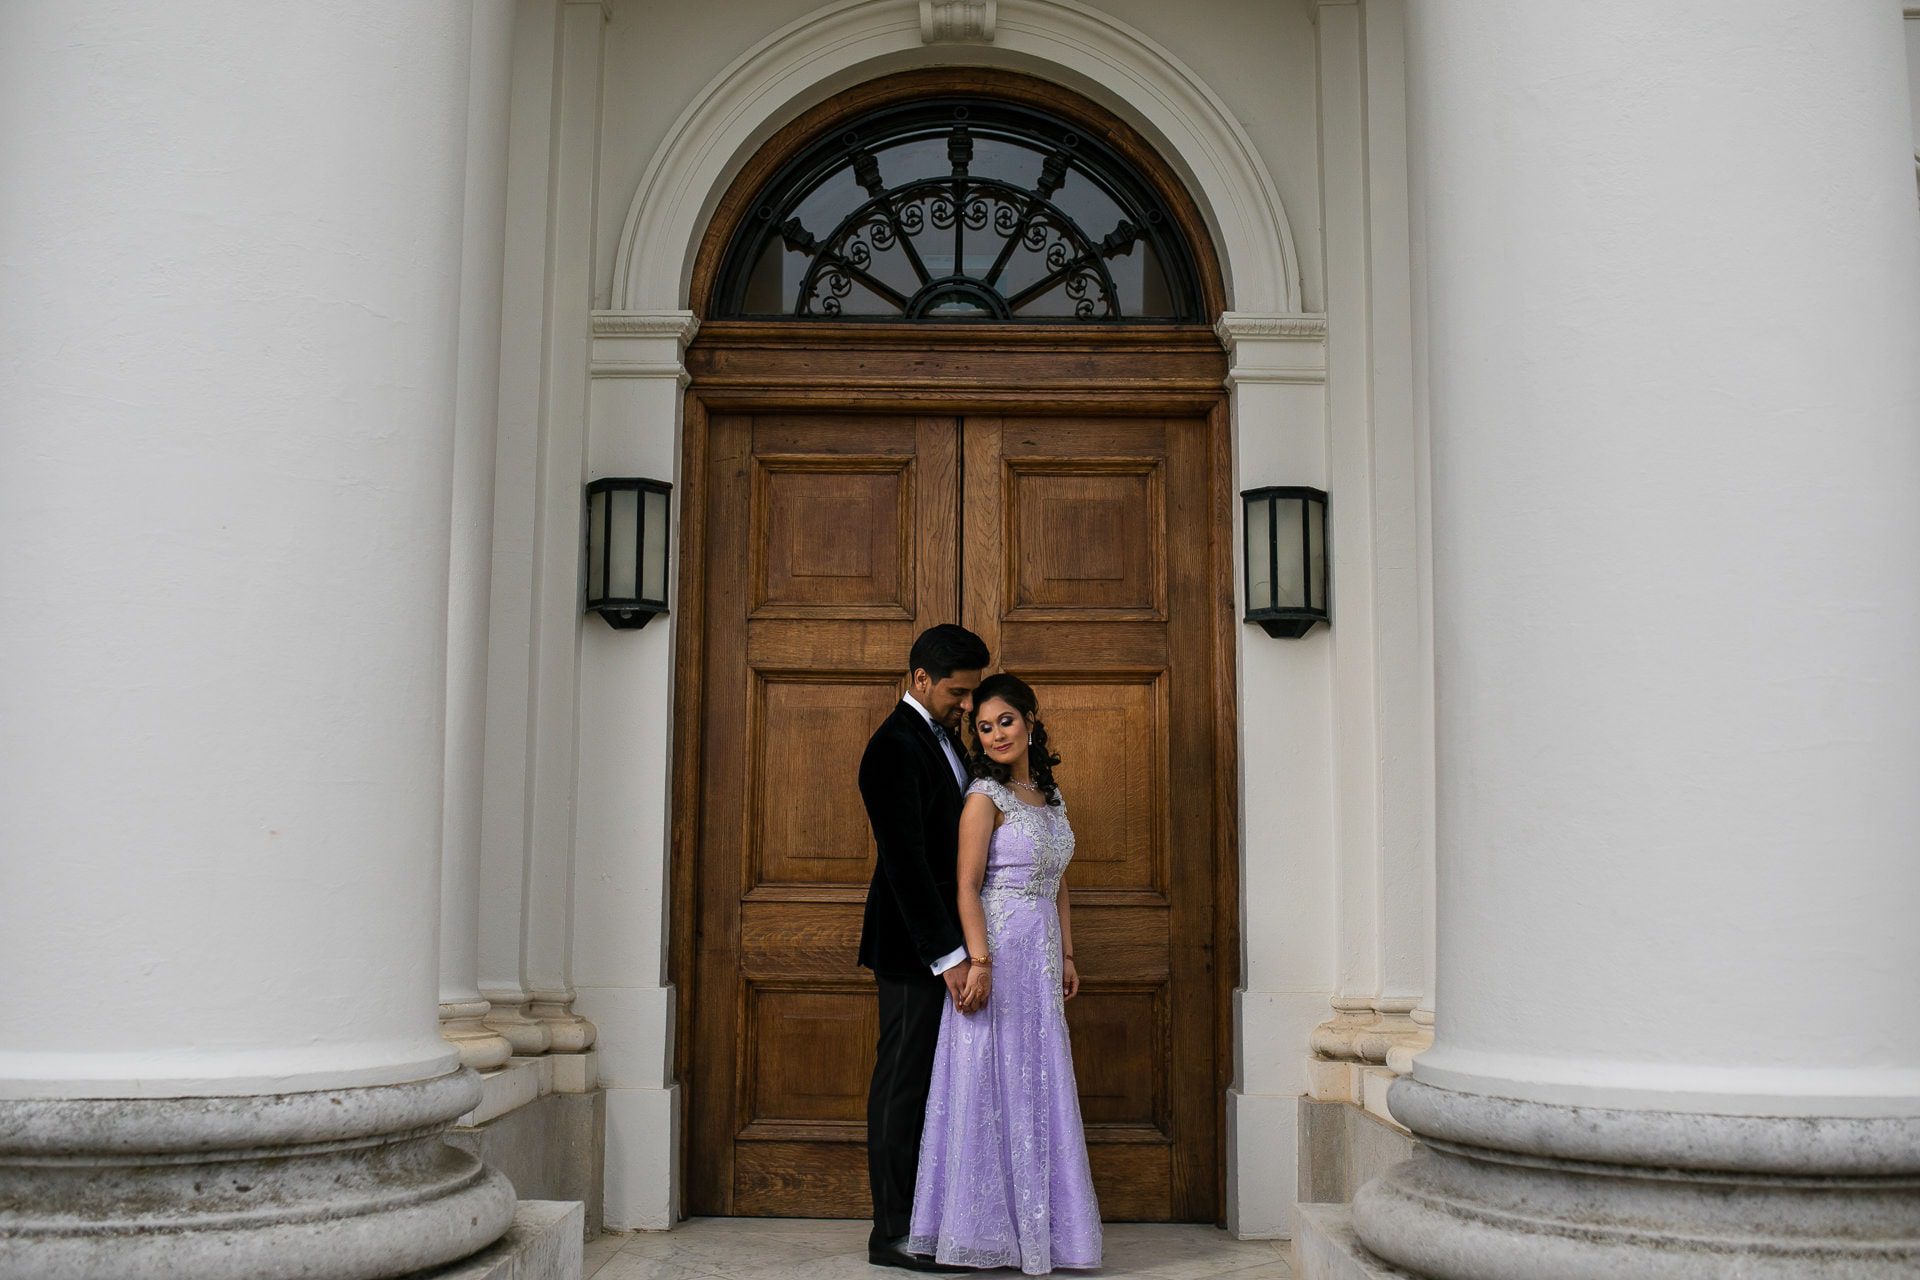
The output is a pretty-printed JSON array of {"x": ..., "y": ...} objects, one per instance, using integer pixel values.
[
  {"x": 832, "y": 540},
  {"x": 1075, "y": 579},
  {"x": 828, "y": 538}
]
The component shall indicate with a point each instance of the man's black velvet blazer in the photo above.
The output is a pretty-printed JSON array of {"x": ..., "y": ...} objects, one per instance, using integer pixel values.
[{"x": 913, "y": 804}]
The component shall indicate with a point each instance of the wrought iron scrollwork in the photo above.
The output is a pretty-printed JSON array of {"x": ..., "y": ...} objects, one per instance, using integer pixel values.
[{"x": 995, "y": 236}]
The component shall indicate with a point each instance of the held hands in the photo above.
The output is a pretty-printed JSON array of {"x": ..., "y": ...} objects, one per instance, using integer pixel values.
[
  {"x": 979, "y": 985},
  {"x": 969, "y": 984},
  {"x": 956, "y": 980}
]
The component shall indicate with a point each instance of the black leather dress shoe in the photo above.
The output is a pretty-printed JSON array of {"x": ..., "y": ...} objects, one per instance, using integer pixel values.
[{"x": 894, "y": 1253}]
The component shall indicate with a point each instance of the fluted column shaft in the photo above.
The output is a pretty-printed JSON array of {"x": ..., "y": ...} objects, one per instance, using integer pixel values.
[
  {"x": 1675, "y": 380},
  {"x": 229, "y": 271}
]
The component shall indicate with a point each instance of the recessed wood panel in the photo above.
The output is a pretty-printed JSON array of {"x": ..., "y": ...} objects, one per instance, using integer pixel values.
[
  {"x": 1119, "y": 1049},
  {"x": 1109, "y": 733},
  {"x": 811, "y": 1054},
  {"x": 801, "y": 1179},
  {"x": 779, "y": 937},
  {"x": 833, "y": 537},
  {"x": 809, "y": 825},
  {"x": 1129, "y": 1179},
  {"x": 1085, "y": 539}
]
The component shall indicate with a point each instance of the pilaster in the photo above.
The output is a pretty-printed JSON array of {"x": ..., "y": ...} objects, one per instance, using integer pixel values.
[
  {"x": 463, "y": 1010},
  {"x": 534, "y": 673},
  {"x": 1276, "y": 380},
  {"x": 622, "y": 824}
]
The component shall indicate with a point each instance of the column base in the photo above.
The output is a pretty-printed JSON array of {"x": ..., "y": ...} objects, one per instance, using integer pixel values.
[
  {"x": 463, "y": 1025},
  {"x": 527, "y": 1034},
  {"x": 1513, "y": 1190},
  {"x": 567, "y": 1031},
  {"x": 347, "y": 1183}
]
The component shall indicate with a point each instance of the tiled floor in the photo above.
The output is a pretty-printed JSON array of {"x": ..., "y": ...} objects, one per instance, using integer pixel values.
[{"x": 778, "y": 1248}]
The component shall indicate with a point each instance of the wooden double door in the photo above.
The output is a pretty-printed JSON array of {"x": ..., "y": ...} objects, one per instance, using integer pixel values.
[{"x": 1085, "y": 550}]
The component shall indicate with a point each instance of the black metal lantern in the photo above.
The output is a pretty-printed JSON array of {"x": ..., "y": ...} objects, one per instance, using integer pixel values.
[
  {"x": 627, "y": 550},
  {"x": 1286, "y": 533}
]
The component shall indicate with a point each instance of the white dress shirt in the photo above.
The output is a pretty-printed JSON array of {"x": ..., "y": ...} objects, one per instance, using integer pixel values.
[{"x": 954, "y": 957}]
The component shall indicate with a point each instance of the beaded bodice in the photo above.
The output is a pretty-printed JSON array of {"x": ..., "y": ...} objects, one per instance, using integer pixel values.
[{"x": 1030, "y": 850}]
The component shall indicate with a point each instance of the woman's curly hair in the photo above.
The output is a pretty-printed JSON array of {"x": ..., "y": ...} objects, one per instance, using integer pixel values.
[{"x": 1016, "y": 693}]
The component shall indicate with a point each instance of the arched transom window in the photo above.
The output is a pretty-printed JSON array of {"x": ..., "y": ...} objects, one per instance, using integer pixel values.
[{"x": 965, "y": 209}]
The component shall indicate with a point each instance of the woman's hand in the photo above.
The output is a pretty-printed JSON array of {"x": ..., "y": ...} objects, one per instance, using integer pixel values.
[
  {"x": 1070, "y": 979},
  {"x": 979, "y": 986}
]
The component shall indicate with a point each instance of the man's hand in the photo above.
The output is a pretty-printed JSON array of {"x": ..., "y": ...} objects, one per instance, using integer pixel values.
[
  {"x": 956, "y": 979},
  {"x": 978, "y": 987}
]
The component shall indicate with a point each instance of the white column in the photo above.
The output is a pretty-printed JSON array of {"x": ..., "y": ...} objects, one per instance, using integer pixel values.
[
  {"x": 621, "y": 829},
  {"x": 228, "y": 315},
  {"x": 509, "y": 749},
  {"x": 1675, "y": 382},
  {"x": 1381, "y": 642},
  {"x": 482, "y": 256},
  {"x": 527, "y": 874},
  {"x": 558, "y": 553}
]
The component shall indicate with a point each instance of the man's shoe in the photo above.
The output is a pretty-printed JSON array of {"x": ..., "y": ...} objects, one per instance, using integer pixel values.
[{"x": 894, "y": 1254}]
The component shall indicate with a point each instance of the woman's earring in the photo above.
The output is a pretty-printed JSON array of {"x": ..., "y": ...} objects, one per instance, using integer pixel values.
[{"x": 1029, "y": 739}]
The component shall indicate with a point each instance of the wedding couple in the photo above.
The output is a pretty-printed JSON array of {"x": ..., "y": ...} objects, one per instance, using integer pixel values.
[{"x": 974, "y": 1145}]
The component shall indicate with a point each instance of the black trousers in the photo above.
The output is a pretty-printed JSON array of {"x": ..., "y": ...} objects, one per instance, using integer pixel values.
[{"x": 897, "y": 1100}]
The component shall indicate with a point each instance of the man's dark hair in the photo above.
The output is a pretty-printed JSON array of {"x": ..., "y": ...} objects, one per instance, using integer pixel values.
[{"x": 940, "y": 651}]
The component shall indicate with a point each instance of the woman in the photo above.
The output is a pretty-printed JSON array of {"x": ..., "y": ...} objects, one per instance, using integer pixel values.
[{"x": 1003, "y": 1178}]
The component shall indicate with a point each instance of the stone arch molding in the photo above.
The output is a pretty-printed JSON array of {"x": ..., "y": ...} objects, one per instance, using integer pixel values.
[{"x": 844, "y": 43}]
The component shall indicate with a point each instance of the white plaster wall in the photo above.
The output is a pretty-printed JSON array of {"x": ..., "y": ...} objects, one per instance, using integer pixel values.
[{"x": 1258, "y": 55}]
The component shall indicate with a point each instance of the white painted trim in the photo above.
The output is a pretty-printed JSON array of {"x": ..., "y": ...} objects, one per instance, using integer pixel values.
[{"x": 853, "y": 40}]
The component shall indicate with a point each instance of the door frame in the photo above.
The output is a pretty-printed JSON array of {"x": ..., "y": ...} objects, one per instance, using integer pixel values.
[
  {"x": 1134, "y": 370},
  {"x": 1120, "y": 370}
]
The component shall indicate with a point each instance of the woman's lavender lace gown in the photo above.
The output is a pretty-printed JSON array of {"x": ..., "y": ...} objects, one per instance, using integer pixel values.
[{"x": 1003, "y": 1179}]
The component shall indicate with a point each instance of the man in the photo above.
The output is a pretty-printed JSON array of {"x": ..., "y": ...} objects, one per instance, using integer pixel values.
[{"x": 913, "y": 782}]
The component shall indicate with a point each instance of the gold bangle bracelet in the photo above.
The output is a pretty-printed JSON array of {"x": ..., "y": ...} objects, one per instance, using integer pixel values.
[{"x": 986, "y": 960}]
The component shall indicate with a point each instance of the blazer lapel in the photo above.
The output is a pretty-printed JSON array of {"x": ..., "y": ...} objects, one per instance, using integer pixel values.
[{"x": 921, "y": 731}]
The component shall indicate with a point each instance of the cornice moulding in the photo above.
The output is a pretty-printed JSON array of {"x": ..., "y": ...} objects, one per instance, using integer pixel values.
[
  {"x": 1234, "y": 326},
  {"x": 641, "y": 369},
  {"x": 681, "y": 325},
  {"x": 1274, "y": 347}
]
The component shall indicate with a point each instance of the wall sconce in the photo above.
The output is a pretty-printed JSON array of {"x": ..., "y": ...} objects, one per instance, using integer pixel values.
[
  {"x": 1286, "y": 533},
  {"x": 627, "y": 550}
]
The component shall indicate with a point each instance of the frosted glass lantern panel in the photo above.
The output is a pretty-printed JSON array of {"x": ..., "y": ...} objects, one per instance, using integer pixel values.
[
  {"x": 1290, "y": 581},
  {"x": 623, "y": 564},
  {"x": 596, "y": 530},
  {"x": 1317, "y": 559},
  {"x": 653, "y": 584},
  {"x": 1259, "y": 563}
]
